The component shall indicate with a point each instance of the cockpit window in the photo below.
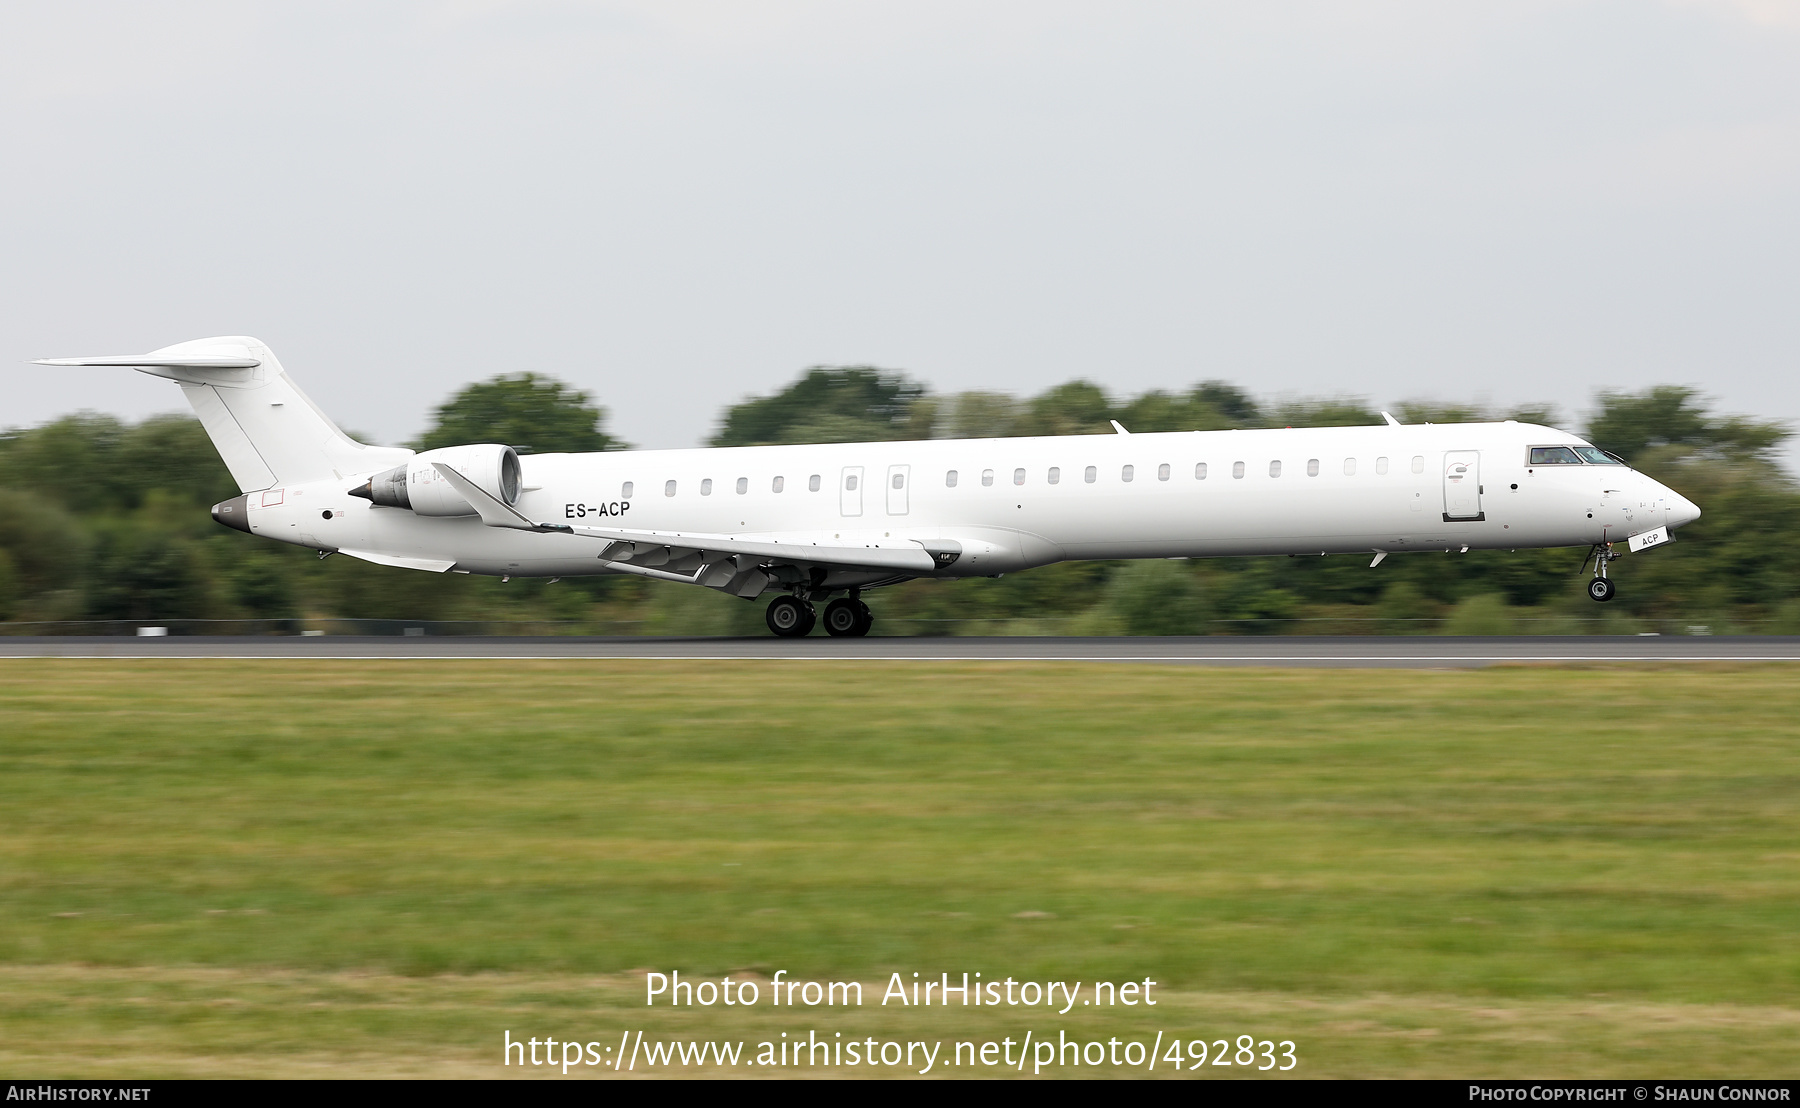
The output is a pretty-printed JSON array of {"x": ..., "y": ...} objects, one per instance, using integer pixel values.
[
  {"x": 1554, "y": 456},
  {"x": 1595, "y": 456}
]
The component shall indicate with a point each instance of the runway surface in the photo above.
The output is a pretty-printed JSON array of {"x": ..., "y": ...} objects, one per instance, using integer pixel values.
[{"x": 1394, "y": 652}]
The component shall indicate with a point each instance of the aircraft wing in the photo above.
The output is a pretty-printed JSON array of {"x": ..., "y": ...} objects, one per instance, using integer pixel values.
[
  {"x": 647, "y": 549},
  {"x": 626, "y": 546}
]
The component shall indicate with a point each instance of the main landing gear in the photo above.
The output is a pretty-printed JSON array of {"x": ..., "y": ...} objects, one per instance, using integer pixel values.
[
  {"x": 792, "y": 618},
  {"x": 1601, "y": 587},
  {"x": 847, "y": 618}
]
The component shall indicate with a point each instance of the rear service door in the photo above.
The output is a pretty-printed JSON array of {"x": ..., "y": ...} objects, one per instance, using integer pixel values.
[
  {"x": 898, "y": 478},
  {"x": 850, "y": 491},
  {"x": 1462, "y": 485}
]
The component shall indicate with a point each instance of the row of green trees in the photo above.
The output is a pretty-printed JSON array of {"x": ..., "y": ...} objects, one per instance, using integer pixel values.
[{"x": 102, "y": 520}]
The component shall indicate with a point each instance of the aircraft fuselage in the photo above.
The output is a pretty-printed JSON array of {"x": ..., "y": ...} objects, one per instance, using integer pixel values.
[{"x": 1012, "y": 504}]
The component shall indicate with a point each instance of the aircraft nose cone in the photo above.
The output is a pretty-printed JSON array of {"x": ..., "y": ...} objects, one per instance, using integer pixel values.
[{"x": 1682, "y": 510}]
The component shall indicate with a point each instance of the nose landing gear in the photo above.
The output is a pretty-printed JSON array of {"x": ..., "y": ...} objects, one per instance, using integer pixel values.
[{"x": 1601, "y": 587}]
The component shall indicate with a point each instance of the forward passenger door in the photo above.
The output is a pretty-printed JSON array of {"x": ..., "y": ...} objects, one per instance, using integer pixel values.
[{"x": 1462, "y": 485}]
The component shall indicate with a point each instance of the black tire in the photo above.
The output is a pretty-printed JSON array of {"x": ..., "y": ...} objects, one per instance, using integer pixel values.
[
  {"x": 844, "y": 619},
  {"x": 789, "y": 618},
  {"x": 1601, "y": 589},
  {"x": 868, "y": 619}
]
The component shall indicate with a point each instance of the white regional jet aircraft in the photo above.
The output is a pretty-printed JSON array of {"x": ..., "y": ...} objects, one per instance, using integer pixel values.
[{"x": 814, "y": 523}]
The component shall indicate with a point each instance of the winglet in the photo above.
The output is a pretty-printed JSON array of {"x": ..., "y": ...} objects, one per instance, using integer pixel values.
[
  {"x": 1391, "y": 421},
  {"x": 494, "y": 512}
]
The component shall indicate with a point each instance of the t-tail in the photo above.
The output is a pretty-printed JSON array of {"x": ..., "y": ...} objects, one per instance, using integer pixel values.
[{"x": 267, "y": 431}]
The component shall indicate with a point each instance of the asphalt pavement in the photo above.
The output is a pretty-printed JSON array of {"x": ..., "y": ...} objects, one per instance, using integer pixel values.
[{"x": 1391, "y": 652}]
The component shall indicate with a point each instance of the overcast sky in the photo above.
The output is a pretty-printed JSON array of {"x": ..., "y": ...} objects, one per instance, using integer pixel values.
[{"x": 675, "y": 204}]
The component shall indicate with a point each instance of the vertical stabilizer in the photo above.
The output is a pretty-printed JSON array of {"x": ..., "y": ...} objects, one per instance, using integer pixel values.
[{"x": 267, "y": 431}]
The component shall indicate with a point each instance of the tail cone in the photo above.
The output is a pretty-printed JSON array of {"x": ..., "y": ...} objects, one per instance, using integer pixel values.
[{"x": 233, "y": 513}]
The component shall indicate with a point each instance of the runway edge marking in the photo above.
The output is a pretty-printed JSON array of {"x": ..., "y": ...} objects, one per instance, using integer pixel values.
[{"x": 1351, "y": 658}]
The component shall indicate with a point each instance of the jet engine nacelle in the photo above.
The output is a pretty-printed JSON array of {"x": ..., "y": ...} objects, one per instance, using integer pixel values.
[{"x": 418, "y": 486}]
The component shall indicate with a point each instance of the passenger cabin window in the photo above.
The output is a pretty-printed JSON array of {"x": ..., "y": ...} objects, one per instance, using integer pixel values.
[
  {"x": 706, "y": 487},
  {"x": 1593, "y": 455},
  {"x": 1274, "y": 469},
  {"x": 626, "y": 490},
  {"x": 743, "y": 485},
  {"x": 1054, "y": 476},
  {"x": 1554, "y": 456},
  {"x": 850, "y": 482},
  {"x": 812, "y": 483},
  {"x": 1381, "y": 466},
  {"x": 1089, "y": 474},
  {"x": 1126, "y": 473},
  {"x": 1237, "y": 470},
  {"x": 1349, "y": 467},
  {"x": 1418, "y": 465},
  {"x": 1199, "y": 471},
  {"x": 1018, "y": 477},
  {"x": 899, "y": 480},
  {"x": 1162, "y": 472},
  {"x": 776, "y": 485},
  {"x": 987, "y": 477},
  {"x": 950, "y": 479},
  {"x": 1312, "y": 467},
  {"x": 668, "y": 488}
]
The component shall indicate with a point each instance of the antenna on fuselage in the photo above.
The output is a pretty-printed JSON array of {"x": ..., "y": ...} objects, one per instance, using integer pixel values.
[{"x": 1391, "y": 421}]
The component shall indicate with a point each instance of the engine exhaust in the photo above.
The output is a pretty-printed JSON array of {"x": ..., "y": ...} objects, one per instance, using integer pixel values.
[{"x": 387, "y": 490}]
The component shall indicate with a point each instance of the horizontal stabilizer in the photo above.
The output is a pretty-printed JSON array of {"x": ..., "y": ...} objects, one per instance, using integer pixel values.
[{"x": 156, "y": 361}]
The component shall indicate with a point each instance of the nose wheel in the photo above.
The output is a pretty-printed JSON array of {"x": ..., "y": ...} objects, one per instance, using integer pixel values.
[{"x": 1601, "y": 588}]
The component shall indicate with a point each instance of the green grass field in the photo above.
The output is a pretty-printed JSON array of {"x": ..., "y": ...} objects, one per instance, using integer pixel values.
[{"x": 362, "y": 868}]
